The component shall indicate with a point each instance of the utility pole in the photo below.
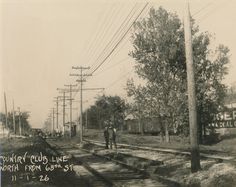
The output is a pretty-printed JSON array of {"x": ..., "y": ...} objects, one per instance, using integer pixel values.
[
  {"x": 53, "y": 120},
  {"x": 14, "y": 120},
  {"x": 71, "y": 99},
  {"x": 63, "y": 113},
  {"x": 81, "y": 80},
  {"x": 70, "y": 87},
  {"x": 49, "y": 122},
  {"x": 20, "y": 128},
  {"x": 6, "y": 115},
  {"x": 63, "y": 106},
  {"x": 86, "y": 114},
  {"x": 86, "y": 118},
  {"x": 195, "y": 156},
  {"x": 57, "y": 112}
]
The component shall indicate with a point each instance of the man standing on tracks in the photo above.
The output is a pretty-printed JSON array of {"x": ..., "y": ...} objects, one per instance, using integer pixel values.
[
  {"x": 112, "y": 136},
  {"x": 106, "y": 136}
]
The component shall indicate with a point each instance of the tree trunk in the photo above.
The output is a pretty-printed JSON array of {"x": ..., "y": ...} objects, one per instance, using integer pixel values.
[
  {"x": 140, "y": 126},
  {"x": 167, "y": 133},
  {"x": 162, "y": 136},
  {"x": 204, "y": 130},
  {"x": 99, "y": 120},
  {"x": 200, "y": 122},
  {"x": 162, "y": 130}
]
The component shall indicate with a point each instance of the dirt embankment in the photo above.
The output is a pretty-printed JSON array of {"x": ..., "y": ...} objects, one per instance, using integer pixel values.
[{"x": 212, "y": 174}]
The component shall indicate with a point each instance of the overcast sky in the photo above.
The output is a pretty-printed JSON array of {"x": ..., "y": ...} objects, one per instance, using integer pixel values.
[{"x": 42, "y": 39}]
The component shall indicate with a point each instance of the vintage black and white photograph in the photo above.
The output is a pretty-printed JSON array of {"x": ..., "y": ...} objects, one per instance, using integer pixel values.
[{"x": 117, "y": 93}]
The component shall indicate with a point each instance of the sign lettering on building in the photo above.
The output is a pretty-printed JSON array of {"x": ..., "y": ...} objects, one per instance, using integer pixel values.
[{"x": 224, "y": 120}]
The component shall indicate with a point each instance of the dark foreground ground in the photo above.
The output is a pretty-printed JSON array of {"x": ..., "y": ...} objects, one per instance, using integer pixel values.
[
  {"x": 36, "y": 149},
  {"x": 36, "y": 174},
  {"x": 212, "y": 174}
]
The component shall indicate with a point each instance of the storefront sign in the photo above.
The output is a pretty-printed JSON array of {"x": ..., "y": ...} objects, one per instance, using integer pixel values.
[{"x": 224, "y": 120}]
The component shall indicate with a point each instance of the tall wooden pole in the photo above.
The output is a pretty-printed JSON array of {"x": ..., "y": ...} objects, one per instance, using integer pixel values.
[
  {"x": 195, "y": 157},
  {"x": 71, "y": 99},
  {"x": 53, "y": 120},
  {"x": 14, "y": 120},
  {"x": 57, "y": 113},
  {"x": 63, "y": 118},
  {"x": 81, "y": 75},
  {"x": 6, "y": 114},
  {"x": 20, "y": 128},
  {"x": 81, "y": 105},
  {"x": 70, "y": 110},
  {"x": 86, "y": 118}
]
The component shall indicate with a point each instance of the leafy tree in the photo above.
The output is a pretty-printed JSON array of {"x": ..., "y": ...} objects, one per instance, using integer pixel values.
[
  {"x": 26, "y": 127},
  {"x": 160, "y": 65},
  {"x": 231, "y": 95},
  {"x": 210, "y": 91},
  {"x": 92, "y": 117},
  {"x": 106, "y": 108},
  {"x": 158, "y": 50},
  {"x": 139, "y": 108}
]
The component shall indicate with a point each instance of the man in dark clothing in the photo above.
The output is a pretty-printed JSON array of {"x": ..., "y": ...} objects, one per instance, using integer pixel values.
[
  {"x": 106, "y": 136},
  {"x": 112, "y": 136}
]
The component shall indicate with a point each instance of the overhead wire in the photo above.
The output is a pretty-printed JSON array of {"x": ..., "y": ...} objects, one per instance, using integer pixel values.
[
  {"x": 101, "y": 32},
  {"x": 128, "y": 31},
  {"x": 117, "y": 44},
  {"x": 119, "y": 40},
  {"x": 119, "y": 79},
  {"x": 104, "y": 30},
  {"x": 118, "y": 32},
  {"x": 113, "y": 49},
  {"x": 213, "y": 10},
  {"x": 102, "y": 20},
  {"x": 116, "y": 64},
  {"x": 124, "y": 76},
  {"x": 203, "y": 8}
]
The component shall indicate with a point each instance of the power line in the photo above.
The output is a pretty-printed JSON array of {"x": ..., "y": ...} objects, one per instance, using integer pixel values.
[
  {"x": 81, "y": 80},
  {"x": 93, "y": 42},
  {"x": 117, "y": 45},
  {"x": 112, "y": 51},
  {"x": 99, "y": 35},
  {"x": 119, "y": 79},
  {"x": 203, "y": 8},
  {"x": 104, "y": 60},
  {"x": 123, "y": 35},
  {"x": 123, "y": 44},
  {"x": 120, "y": 39},
  {"x": 117, "y": 51},
  {"x": 110, "y": 67},
  {"x": 118, "y": 32},
  {"x": 213, "y": 10}
]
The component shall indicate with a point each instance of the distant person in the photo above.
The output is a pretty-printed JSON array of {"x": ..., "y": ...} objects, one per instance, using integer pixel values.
[
  {"x": 106, "y": 136},
  {"x": 112, "y": 136}
]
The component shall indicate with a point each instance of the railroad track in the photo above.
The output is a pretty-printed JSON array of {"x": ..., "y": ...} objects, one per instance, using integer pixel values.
[
  {"x": 101, "y": 171},
  {"x": 162, "y": 150}
]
